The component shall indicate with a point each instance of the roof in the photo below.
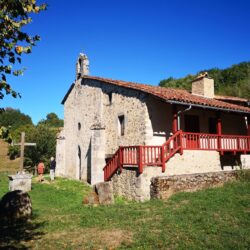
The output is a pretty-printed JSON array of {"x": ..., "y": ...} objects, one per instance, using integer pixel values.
[
  {"x": 232, "y": 98},
  {"x": 171, "y": 95}
]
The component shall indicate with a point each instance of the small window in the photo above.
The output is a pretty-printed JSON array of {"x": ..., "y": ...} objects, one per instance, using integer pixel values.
[
  {"x": 79, "y": 126},
  {"x": 212, "y": 122},
  {"x": 110, "y": 95},
  {"x": 121, "y": 125}
]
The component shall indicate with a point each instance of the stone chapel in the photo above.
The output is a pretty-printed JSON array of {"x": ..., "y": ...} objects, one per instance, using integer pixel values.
[{"x": 113, "y": 126}]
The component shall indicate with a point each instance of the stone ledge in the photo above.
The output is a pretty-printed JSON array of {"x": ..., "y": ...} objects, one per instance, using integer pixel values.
[{"x": 163, "y": 187}]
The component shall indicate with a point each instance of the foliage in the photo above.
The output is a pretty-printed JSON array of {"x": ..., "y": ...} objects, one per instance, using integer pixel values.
[
  {"x": 233, "y": 81},
  {"x": 45, "y": 139},
  {"x": 215, "y": 218},
  {"x": 5, "y": 134},
  {"x": 13, "y": 152},
  {"x": 14, "y": 15},
  {"x": 14, "y": 118},
  {"x": 52, "y": 120}
]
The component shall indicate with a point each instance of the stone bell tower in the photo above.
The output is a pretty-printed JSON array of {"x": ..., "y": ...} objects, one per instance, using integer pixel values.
[{"x": 82, "y": 66}]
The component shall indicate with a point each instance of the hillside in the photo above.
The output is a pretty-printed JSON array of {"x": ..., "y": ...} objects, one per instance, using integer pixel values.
[
  {"x": 232, "y": 81},
  {"x": 7, "y": 165}
]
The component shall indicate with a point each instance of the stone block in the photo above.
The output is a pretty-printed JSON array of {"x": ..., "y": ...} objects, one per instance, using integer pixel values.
[
  {"x": 105, "y": 192},
  {"x": 20, "y": 182},
  {"x": 245, "y": 161},
  {"x": 91, "y": 199}
]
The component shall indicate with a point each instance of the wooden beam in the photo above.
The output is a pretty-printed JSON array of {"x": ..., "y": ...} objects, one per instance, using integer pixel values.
[
  {"x": 248, "y": 125},
  {"x": 219, "y": 131},
  {"x": 174, "y": 120}
]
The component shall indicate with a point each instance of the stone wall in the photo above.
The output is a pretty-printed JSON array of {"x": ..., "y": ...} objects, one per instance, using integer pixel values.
[
  {"x": 164, "y": 187},
  {"x": 89, "y": 103},
  {"x": 132, "y": 186},
  {"x": 60, "y": 154},
  {"x": 193, "y": 161}
]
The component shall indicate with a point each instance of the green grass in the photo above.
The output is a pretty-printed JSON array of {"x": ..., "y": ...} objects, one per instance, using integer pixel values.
[{"x": 215, "y": 218}]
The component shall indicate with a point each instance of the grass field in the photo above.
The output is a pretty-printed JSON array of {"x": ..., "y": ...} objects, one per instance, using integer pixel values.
[{"x": 210, "y": 219}]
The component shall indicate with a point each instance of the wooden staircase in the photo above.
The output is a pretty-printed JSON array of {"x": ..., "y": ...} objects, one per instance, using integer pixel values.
[{"x": 141, "y": 156}]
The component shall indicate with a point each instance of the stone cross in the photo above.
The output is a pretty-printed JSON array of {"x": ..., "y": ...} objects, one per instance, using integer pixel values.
[{"x": 23, "y": 144}]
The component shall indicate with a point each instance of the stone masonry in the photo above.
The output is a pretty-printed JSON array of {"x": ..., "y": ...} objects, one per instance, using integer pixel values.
[
  {"x": 82, "y": 149},
  {"x": 204, "y": 87},
  {"x": 164, "y": 187}
]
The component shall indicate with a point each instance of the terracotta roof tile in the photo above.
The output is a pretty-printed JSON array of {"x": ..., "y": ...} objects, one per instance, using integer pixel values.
[
  {"x": 169, "y": 94},
  {"x": 231, "y": 98}
]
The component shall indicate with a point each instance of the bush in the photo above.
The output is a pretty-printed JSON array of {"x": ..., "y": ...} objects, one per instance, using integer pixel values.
[{"x": 13, "y": 152}]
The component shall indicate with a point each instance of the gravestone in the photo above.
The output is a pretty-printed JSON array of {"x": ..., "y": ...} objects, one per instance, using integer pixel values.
[{"x": 21, "y": 180}]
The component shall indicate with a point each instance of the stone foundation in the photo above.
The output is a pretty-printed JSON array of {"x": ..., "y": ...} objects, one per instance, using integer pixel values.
[
  {"x": 131, "y": 185},
  {"x": 164, "y": 187},
  {"x": 245, "y": 161}
]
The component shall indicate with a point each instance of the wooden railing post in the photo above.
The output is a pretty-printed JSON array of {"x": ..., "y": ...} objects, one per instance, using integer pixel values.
[
  {"x": 163, "y": 162},
  {"x": 120, "y": 159},
  {"x": 140, "y": 166},
  {"x": 181, "y": 146},
  {"x": 219, "y": 134}
]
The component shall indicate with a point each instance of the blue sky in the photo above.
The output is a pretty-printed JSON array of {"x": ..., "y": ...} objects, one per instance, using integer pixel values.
[{"x": 136, "y": 40}]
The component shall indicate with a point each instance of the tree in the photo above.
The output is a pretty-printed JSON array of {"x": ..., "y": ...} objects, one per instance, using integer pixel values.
[
  {"x": 14, "y": 15},
  {"x": 5, "y": 134},
  {"x": 45, "y": 139},
  {"x": 52, "y": 120},
  {"x": 14, "y": 118},
  {"x": 234, "y": 81}
]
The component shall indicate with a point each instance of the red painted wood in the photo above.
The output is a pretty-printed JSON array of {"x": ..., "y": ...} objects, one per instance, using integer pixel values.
[
  {"x": 174, "y": 120},
  {"x": 248, "y": 125},
  {"x": 140, "y": 166},
  {"x": 141, "y": 156}
]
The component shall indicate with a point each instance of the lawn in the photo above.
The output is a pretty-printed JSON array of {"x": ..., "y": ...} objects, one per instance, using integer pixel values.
[{"x": 215, "y": 218}]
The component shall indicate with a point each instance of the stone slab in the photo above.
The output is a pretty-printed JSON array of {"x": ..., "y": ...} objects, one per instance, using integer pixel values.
[
  {"x": 105, "y": 193},
  {"x": 20, "y": 182}
]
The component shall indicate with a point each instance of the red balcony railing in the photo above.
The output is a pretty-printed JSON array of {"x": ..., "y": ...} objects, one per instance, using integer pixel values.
[
  {"x": 221, "y": 143},
  {"x": 141, "y": 156}
]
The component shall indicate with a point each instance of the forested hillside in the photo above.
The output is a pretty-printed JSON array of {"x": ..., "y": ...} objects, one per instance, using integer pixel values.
[{"x": 232, "y": 81}]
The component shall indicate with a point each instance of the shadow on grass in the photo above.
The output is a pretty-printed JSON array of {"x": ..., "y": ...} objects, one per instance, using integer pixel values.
[{"x": 14, "y": 235}]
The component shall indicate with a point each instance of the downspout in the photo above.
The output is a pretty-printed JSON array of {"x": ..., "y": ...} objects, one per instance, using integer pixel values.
[{"x": 178, "y": 116}]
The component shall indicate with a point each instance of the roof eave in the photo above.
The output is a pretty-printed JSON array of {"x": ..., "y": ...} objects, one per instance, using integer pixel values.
[
  {"x": 207, "y": 107},
  {"x": 67, "y": 94}
]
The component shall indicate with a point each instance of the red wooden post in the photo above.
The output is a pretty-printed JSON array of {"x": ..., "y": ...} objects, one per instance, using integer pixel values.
[
  {"x": 218, "y": 128},
  {"x": 181, "y": 146},
  {"x": 140, "y": 166},
  {"x": 174, "y": 120},
  {"x": 248, "y": 125},
  {"x": 163, "y": 159},
  {"x": 120, "y": 159}
]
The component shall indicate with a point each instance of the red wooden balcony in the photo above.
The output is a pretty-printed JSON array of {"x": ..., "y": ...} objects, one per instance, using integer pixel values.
[{"x": 140, "y": 156}]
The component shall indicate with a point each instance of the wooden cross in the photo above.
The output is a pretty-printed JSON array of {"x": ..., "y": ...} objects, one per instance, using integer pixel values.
[{"x": 23, "y": 144}]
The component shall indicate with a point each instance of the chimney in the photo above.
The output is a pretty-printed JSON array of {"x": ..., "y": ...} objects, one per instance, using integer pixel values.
[
  {"x": 82, "y": 66},
  {"x": 203, "y": 86}
]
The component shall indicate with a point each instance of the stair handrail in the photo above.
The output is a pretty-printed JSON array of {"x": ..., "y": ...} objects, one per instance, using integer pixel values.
[{"x": 176, "y": 140}]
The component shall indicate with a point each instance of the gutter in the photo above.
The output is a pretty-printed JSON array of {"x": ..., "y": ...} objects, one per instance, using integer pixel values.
[
  {"x": 206, "y": 107},
  {"x": 179, "y": 118}
]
